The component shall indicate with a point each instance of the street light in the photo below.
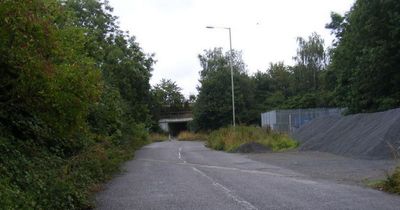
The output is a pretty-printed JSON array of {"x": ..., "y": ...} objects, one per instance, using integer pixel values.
[{"x": 231, "y": 65}]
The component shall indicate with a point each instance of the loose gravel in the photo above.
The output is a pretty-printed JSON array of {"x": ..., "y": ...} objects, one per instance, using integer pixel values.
[{"x": 366, "y": 136}]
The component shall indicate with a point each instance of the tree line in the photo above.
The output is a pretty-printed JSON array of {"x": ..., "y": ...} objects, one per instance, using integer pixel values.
[{"x": 359, "y": 72}]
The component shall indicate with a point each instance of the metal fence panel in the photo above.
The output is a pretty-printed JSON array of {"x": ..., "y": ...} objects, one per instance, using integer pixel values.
[{"x": 289, "y": 120}]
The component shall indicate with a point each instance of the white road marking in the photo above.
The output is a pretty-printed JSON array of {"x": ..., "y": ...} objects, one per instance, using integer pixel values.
[
  {"x": 228, "y": 192},
  {"x": 180, "y": 155},
  {"x": 224, "y": 168}
]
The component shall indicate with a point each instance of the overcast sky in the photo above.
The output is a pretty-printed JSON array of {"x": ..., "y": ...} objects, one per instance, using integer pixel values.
[{"x": 264, "y": 30}]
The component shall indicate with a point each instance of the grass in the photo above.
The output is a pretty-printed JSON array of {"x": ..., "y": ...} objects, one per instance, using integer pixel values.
[
  {"x": 191, "y": 136},
  {"x": 157, "y": 137},
  {"x": 228, "y": 139}
]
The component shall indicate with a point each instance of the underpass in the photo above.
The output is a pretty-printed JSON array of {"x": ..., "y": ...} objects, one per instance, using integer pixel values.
[{"x": 175, "y": 122}]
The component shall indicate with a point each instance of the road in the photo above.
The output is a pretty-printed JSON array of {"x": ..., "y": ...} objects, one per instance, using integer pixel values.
[{"x": 187, "y": 175}]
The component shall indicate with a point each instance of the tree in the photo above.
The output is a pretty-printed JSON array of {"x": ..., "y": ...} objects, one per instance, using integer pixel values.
[
  {"x": 310, "y": 61},
  {"x": 280, "y": 77},
  {"x": 337, "y": 26},
  {"x": 125, "y": 68},
  {"x": 166, "y": 97},
  {"x": 366, "y": 61},
  {"x": 213, "y": 107},
  {"x": 192, "y": 99},
  {"x": 272, "y": 87},
  {"x": 169, "y": 94},
  {"x": 304, "y": 85}
]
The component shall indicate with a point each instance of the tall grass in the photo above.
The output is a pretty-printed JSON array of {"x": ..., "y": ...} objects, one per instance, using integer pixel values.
[
  {"x": 157, "y": 137},
  {"x": 228, "y": 139},
  {"x": 191, "y": 136}
]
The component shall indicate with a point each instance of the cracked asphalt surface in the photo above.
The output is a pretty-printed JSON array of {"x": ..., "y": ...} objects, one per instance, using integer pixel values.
[{"x": 187, "y": 175}]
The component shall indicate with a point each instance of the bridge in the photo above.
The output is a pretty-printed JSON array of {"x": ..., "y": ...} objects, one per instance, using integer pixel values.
[{"x": 175, "y": 122}]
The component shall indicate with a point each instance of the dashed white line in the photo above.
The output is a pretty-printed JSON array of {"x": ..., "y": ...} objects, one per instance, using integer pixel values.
[
  {"x": 228, "y": 192},
  {"x": 180, "y": 155}
]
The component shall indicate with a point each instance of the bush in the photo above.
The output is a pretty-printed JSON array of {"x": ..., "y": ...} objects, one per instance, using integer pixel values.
[
  {"x": 46, "y": 181},
  {"x": 230, "y": 138},
  {"x": 191, "y": 136},
  {"x": 392, "y": 182}
]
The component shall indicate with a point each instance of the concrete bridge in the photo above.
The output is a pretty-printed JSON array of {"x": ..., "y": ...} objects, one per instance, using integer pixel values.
[{"x": 175, "y": 122}]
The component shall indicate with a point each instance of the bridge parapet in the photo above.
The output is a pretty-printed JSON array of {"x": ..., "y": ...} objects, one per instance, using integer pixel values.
[{"x": 176, "y": 115}]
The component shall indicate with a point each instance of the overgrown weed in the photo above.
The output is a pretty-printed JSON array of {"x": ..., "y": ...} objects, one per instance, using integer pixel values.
[
  {"x": 191, "y": 136},
  {"x": 230, "y": 138}
]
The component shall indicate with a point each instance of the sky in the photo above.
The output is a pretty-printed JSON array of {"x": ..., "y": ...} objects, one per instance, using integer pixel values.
[{"x": 264, "y": 30}]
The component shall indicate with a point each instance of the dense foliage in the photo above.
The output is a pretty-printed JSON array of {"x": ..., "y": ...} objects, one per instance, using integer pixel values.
[
  {"x": 74, "y": 93},
  {"x": 366, "y": 61},
  {"x": 126, "y": 70}
]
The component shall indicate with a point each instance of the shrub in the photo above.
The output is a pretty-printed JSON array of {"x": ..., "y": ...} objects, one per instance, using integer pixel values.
[
  {"x": 43, "y": 180},
  {"x": 230, "y": 138},
  {"x": 392, "y": 182}
]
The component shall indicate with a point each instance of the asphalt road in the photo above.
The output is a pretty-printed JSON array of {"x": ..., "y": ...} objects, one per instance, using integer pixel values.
[
  {"x": 186, "y": 175},
  {"x": 326, "y": 166}
]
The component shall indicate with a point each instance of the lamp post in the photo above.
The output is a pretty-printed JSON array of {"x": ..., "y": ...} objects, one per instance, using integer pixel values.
[{"x": 231, "y": 66}]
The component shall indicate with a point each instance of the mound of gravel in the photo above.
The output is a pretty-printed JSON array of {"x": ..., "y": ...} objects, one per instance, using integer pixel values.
[
  {"x": 252, "y": 147},
  {"x": 369, "y": 136}
]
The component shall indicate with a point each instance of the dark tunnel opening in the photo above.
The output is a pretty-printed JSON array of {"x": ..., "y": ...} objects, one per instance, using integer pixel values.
[{"x": 177, "y": 127}]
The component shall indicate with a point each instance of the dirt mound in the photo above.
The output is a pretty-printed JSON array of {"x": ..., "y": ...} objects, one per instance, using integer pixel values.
[
  {"x": 252, "y": 147},
  {"x": 370, "y": 136}
]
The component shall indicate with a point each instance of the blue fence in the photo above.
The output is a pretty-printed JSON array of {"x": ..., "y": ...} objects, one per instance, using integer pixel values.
[{"x": 289, "y": 120}]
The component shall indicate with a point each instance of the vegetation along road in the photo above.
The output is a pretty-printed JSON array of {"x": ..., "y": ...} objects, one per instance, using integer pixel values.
[{"x": 187, "y": 175}]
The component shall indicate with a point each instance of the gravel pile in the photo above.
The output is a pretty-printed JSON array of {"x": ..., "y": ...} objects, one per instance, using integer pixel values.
[{"x": 369, "y": 136}]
